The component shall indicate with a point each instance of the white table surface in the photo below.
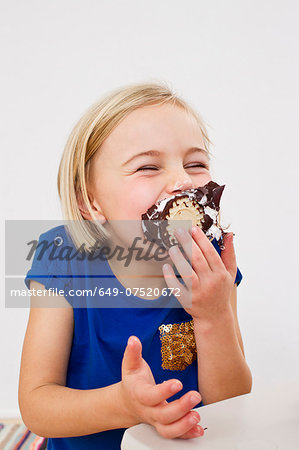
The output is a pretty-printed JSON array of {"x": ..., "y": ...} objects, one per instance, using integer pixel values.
[{"x": 261, "y": 420}]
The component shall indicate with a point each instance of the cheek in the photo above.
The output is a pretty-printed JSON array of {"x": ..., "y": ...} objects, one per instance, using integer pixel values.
[
  {"x": 204, "y": 179},
  {"x": 139, "y": 199},
  {"x": 130, "y": 202},
  {"x": 126, "y": 212}
]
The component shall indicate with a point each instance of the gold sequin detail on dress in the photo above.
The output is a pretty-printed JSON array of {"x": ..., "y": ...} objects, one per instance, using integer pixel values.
[{"x": 178, "y": 348}]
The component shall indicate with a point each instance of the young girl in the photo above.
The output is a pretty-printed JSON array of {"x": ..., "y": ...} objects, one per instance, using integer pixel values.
[{"x": 100, "y": 363}]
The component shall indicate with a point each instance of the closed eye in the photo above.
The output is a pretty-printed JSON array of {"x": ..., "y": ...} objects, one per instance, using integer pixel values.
[
  {"x": 147, "y": 168},
  {"x": 156, "y": 168}
]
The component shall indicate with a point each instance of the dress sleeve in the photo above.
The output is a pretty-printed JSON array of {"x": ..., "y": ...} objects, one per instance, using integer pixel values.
[
  {"x": 239, "y": 277},
  {"x": 48, "y": 266}
]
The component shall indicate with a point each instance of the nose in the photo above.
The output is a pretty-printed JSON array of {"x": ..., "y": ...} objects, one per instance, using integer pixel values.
[{"x": 180, "y": 182}]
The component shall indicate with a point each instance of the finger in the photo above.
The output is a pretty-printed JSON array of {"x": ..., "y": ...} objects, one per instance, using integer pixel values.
[
  {"x": 153, "y": 395},
  {"x": 132, "y": 356},
  {"x": 193, "y": 252},
  {"x": 196, "y": 431},
  {"x": 182, "y": 293},
  {"x": 183, "y": 266},
  {"x": 171, "y": 278},
  {"x": 173, "y": 411},
  {"x": 228, "y": 255},
  {"x": 208, "y": 249},
  {"x": 180, "y": 427}
]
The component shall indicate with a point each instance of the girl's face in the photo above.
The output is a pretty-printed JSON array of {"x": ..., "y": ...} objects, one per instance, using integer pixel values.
[{"x": 125, "y": 181}]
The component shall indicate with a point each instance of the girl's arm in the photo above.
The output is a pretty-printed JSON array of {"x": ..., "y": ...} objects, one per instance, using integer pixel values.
[
  {"x": 222, "y": 369},
  {"x": 51, "y": 409},
  {"x": 210, "y": 298},
  {"x": 47, "y": 406}
]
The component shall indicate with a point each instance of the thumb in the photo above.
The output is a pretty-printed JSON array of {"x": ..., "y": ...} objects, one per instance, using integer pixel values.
[
  {"x": 228, "y": 255},
  {"x": 132, "y": 356}
]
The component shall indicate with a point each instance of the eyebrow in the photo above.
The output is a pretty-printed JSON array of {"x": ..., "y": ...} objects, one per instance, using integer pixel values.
[{"x": 157, "y": 153}]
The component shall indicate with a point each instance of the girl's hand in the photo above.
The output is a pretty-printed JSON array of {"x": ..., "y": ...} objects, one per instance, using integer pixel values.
[
  {"x": 211, "y": 278},
  {"x": 145, "y": 401}
]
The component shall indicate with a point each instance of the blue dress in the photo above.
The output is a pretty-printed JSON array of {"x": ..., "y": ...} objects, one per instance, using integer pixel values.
[{"x": 103, "y": 324}]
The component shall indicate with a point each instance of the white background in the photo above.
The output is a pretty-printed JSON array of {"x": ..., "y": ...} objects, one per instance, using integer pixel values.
[{"x": 236, "y": 62}]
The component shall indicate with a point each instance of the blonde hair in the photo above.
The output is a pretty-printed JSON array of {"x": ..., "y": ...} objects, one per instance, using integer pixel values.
[{"x": 87, "y": 137}]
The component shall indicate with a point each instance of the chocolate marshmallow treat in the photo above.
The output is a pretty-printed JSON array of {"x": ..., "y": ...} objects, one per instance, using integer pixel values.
[{"x": 199, "y": 205}]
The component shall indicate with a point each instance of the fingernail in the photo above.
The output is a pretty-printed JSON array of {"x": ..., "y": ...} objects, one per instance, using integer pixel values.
[
  {"x": 199, "y": 431},
  {"x": 180, "y": 231},
  {"x": 195, "y": 399},
  {"x": 166, "y": 267},
  {"x": 194, "y": 230},
  {"x": 193, "y": 419},
  {"x": 132, "y": 340},
  {"x": 174, "y": 250},
  {"x": 176, "y": 386}
]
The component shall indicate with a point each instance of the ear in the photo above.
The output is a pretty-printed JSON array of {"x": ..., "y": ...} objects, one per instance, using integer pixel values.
[{"x": 94, "y": 206}]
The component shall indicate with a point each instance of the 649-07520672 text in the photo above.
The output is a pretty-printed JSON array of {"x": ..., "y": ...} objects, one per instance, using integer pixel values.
[{"x": 99, "y": 291}]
